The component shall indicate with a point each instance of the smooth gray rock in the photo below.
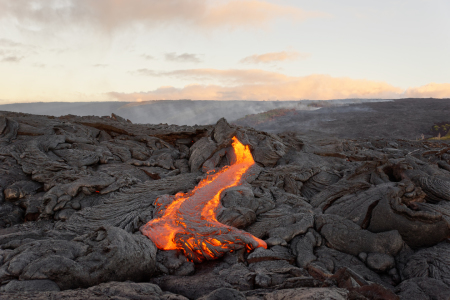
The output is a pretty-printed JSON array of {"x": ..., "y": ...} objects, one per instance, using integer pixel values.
[
  {"x": 239, "y": 206},
  {"x": 30, "y": 286},
  {"x": 303, "y": 248},
  {"x": 330, "y": 192},
  {"x": 192, "y": 287},
  {"x": 346, "y": 236},
  {"x": 239, "y": 276},
  {"x": 224, "y": 294},
  {"x": 274, "y": 253},
  {"x": 417, "y": 228},
  {"x": 283, "y": 222},
  {"x": 380, "y": 262},
  {"x": 200, "y": 152},
  {"x": 301, "y": 294},
  {"x": 330, "y": 260},
  {"x": 223, "y": 132}
]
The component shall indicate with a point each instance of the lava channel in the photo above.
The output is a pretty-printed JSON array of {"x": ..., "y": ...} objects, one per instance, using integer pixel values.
[{"x": 188, "y": 222}]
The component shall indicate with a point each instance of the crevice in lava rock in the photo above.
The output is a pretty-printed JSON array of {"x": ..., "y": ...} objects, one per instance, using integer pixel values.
[
  {"x": 366, "y": 222},
  {"x": 188, "y": 222}
]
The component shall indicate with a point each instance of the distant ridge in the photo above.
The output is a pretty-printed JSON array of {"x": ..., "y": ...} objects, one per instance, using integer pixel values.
[{"x": 179, "y": 112}]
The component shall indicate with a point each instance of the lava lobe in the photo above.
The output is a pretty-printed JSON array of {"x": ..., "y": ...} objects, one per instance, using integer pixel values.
[{"x": 188, "y": 221}]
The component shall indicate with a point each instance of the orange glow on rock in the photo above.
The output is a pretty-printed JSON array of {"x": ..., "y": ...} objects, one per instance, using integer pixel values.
[{"x": 189, "y": 222}]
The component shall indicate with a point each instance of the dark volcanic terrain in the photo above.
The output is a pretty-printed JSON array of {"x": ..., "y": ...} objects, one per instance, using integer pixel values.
[
  {"x": 357, "y": 208},
  {"x": 401, "y": 119},
  {"x": 179, "y": 112}
]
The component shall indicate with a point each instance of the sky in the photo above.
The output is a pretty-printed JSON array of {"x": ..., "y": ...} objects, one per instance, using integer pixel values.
[{"x": 140, "y": 50}]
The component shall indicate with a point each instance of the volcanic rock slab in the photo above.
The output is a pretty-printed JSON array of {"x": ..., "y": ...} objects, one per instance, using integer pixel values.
[
  {"x": 108, "y": 254},
  {"x": 104, "y": 291}
]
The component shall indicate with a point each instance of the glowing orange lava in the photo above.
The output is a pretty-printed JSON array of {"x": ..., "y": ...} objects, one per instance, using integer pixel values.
[{"x": 189, "y": 222}]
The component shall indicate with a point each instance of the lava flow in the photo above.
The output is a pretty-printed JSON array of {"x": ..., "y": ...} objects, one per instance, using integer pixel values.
[{"x": 188, "y": 221}]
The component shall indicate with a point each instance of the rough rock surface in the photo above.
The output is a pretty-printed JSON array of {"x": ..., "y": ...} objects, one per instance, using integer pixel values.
[
  {"x": 431, "y": 262},
  {"x": 346, "y": 236},
  {"x": 304, "y": 294},
  {"x": 343, "y": 219},
  {"x": 423, "y": 289},
  {"x": 107, "y": 254},
  {"x": 104, "y": 291},
  {"x": 224, "y": 294}
]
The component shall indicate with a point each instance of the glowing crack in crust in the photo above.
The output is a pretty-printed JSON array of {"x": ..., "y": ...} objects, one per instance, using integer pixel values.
[{"x": 188, "y": 221}]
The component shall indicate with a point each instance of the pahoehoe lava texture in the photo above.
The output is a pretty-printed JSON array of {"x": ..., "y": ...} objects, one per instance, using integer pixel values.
[{"x": 342, "y": 219}]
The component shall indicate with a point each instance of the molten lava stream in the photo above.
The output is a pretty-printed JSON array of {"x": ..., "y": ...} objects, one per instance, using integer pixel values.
[{"x": 189, "y": 222}]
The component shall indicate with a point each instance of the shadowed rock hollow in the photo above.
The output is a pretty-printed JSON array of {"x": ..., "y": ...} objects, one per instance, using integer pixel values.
[{"x": 342, "y": 219}]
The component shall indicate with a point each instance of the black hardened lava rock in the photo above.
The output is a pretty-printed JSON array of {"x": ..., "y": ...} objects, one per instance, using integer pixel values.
[{"x": 342, "y": 219}]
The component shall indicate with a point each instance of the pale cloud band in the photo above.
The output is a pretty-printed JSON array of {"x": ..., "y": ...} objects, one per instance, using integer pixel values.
[
  {"x": 110, "y": 15},
  {"x": 12, "y": 59},
  {"x": 12, "y": 52},
  {"x": 432, "y": 90},
  {"x": 185, "y": 57},
  {"x": 264, "y": 85},
  {"x": 274, "y": 57},
  {"x": 229, "y": 77}
]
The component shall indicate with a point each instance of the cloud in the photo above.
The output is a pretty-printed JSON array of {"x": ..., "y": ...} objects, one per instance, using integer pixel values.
[
  {"x": 432, "y": 90},
  {"x": 9, "y": 43},
  {"x": 147, "y": 57},
  {"x": 145, "y": 72},
  {"x": 262, "y": 85},
  {"x": 14, "y": 52},
  {"x": 12, "y": 59},
  {"x": 253, "y": 13},
  {"x": 273, "y": 57},
  {"x": 230, "y": 77},
  {"x": 185, "y": 57},
  {"x": 110, "y": 15}
]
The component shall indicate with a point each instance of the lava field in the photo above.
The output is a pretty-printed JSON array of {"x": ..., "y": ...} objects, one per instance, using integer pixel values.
[{"x": 101, "y": 208}]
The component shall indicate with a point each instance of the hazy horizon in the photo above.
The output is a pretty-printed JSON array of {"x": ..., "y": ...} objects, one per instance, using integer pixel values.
[{"x": 179, "y": 112}]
